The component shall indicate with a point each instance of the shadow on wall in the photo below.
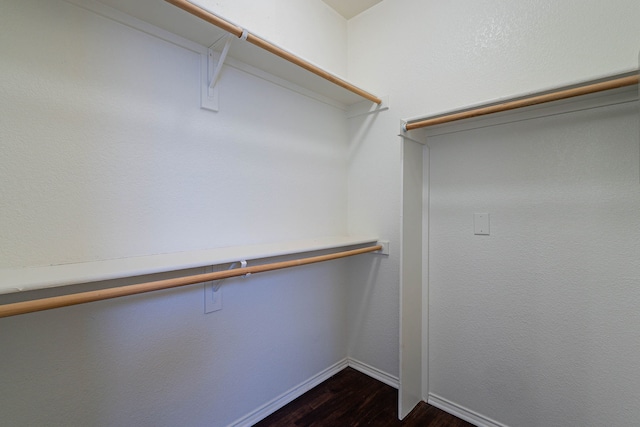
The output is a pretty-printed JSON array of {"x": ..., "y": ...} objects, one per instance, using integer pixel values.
[{"x": 365, "y": 289}]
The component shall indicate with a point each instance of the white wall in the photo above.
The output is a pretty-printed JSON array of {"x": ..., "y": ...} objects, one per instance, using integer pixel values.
[
  {"x": 431, "y": 57},
  {"x": 106, "y": 153},
  {"x": 129, "y": 97},
  {"x": 436, "y": 56},
  {"x": 120, "y": 137},
  {"x": 374, "y": 207},
  {"x": 537, "y": 324}
]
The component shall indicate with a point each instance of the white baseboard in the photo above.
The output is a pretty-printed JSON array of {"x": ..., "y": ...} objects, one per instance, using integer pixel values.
[
  {"x": 462, "y": 412},
  {"x": 297, "y": 391},
  {"x": 374, "y": 373},
  {"x": 289, "y": 395}
]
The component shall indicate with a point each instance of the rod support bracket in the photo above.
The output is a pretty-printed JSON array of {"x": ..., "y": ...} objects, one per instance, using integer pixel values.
[
  {"x": 243, "y": 264},
  {"x": 215, "y": 69},
  {"x": 217, "y": 283},
  {"x": 385, "y": 247}
]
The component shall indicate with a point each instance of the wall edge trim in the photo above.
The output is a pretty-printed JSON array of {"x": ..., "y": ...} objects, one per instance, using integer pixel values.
[{"x": 462, "y": 412}]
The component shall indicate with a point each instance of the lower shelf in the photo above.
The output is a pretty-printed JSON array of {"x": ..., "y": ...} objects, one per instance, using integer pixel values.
[{"x": 32, "y": 278}]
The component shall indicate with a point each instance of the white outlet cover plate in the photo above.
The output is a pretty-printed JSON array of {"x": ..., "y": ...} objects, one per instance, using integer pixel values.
[{"x": 481, "y": 224}]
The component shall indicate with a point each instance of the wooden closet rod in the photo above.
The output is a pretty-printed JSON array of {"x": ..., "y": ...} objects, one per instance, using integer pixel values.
[
  {"x": 262, "y": 43},
  {"x": 99, "y": 295},
  {"x": 584, "y": 89}
]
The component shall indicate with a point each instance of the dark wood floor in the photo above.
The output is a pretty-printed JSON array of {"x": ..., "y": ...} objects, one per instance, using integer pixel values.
[{"x": 351, "y": 398}]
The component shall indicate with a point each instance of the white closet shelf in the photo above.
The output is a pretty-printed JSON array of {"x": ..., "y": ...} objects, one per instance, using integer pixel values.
[
  {"x": 32, "y": 278},
  {"x": 171, "y": 18}
]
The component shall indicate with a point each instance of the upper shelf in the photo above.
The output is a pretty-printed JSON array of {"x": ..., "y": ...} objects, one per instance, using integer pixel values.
[
  {"x": 171, "y": 18},
  {"x": 580, "y": 89}
]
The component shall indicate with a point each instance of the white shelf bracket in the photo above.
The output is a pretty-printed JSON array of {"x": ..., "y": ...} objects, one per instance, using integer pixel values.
[
  {"x": 215, "y": 68},
  {"x": 211, "y": 69},
  {"x": 212, "y": 293},
  {"x": 216, "y": 284}
]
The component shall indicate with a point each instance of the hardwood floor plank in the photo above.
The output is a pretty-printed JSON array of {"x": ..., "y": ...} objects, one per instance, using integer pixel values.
[{"x": 352, "y": 399}]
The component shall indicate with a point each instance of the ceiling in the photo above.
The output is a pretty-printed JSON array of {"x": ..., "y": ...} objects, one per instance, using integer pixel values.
[{"x": 350, "y": 8}]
